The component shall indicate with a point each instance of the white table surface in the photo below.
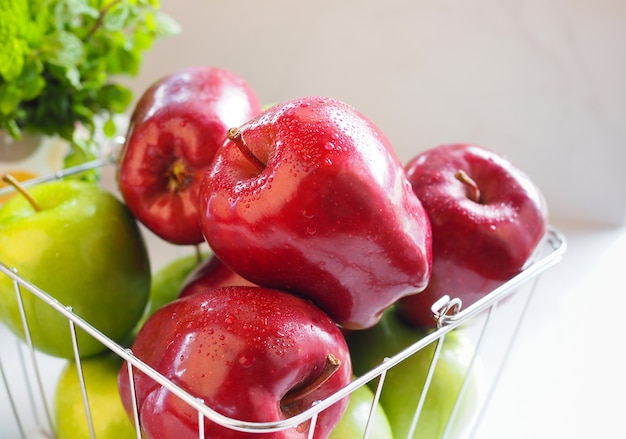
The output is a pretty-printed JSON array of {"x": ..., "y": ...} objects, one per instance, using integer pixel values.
[{"x": 566, "y": 376}]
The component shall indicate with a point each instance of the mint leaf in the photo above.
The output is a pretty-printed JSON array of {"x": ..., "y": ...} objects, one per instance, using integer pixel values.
[
  {"x": 62, "y": 49},
  {"x": 109, "y": 128},
  {"x": 9, "y": 98},
  {"x": 13, "y": 16},
  {"x": 73, "y": 14},
  {"x": 116, "y": 18},
  {"x": 11, "y": 57},
  {"x": 165, "y": 25},
  {"x": 115, "y": 97},
  {"x": 31, "y": 83}
]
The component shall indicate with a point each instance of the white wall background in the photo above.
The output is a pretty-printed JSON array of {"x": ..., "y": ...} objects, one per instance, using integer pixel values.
[{"x": 542, "y": 81}]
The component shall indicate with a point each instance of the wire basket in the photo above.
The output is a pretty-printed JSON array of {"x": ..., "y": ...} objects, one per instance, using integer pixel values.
[{"x": 29, "y": 377}]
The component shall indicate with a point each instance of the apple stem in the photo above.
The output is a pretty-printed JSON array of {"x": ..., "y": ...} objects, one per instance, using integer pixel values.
[
  {"x": 9, "y": 179},
  {"x": 198, "y": 253},
  {"x": 234, "y": 134},
  {"x": 330, "y": 367},
  {"x": 473, "y": 192}
]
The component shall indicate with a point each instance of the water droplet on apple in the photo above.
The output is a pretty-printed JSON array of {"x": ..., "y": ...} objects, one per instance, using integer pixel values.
[
  {"x": 246, "y": 361},
  {"x": 328, "y": 161},
  {"x": 311, "y": 230}
]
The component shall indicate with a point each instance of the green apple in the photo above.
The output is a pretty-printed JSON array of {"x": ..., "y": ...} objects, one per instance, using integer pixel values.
[
  {"x": 79, "y": 243},
  {"x": 108, "y": 416},
  {"x": 167, "y": 283},
  {"x": 352, "y": 423},
  {"x": 404, "y": 382}
]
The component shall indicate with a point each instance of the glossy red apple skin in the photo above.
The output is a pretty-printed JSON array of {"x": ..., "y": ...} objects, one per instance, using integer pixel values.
[
  {"x": 175, "y": 129},
  {"x": 330, "y": 217},
  {"x": 477, "y": 245},
  {"x": 240, "y": 349},
  {"x": 209, "y": 274}
]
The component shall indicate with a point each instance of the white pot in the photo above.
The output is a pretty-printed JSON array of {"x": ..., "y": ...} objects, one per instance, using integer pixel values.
[{"x": 32, "y": 156}]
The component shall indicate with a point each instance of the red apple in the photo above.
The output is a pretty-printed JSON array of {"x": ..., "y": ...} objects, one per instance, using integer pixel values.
[
  {"x": 487, "y": 218},
  {"x": 309, "y": 197},
  {"x": 211, "y": 273},
  {"x": 250, "y": 353},
  {"x": 174, "y": 131}
]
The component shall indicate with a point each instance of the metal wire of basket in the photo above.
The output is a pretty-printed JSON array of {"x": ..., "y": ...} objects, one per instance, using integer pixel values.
[{"x": 26, "y": 362}]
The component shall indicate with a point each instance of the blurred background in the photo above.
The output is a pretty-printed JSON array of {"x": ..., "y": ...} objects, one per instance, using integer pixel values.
[{"x": 541, "y": 81}]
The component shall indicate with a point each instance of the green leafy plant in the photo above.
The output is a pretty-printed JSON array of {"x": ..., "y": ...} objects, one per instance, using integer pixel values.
[{"x": 59, "y": 58}]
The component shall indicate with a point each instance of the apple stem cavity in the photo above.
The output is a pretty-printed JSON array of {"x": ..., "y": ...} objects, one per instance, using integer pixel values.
[
  {"x": 330, "y": 367},
  {"x": 473, "y": 192},
  {"x": 234, "y": 134},
  {"x": 9, "y": 179}
]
